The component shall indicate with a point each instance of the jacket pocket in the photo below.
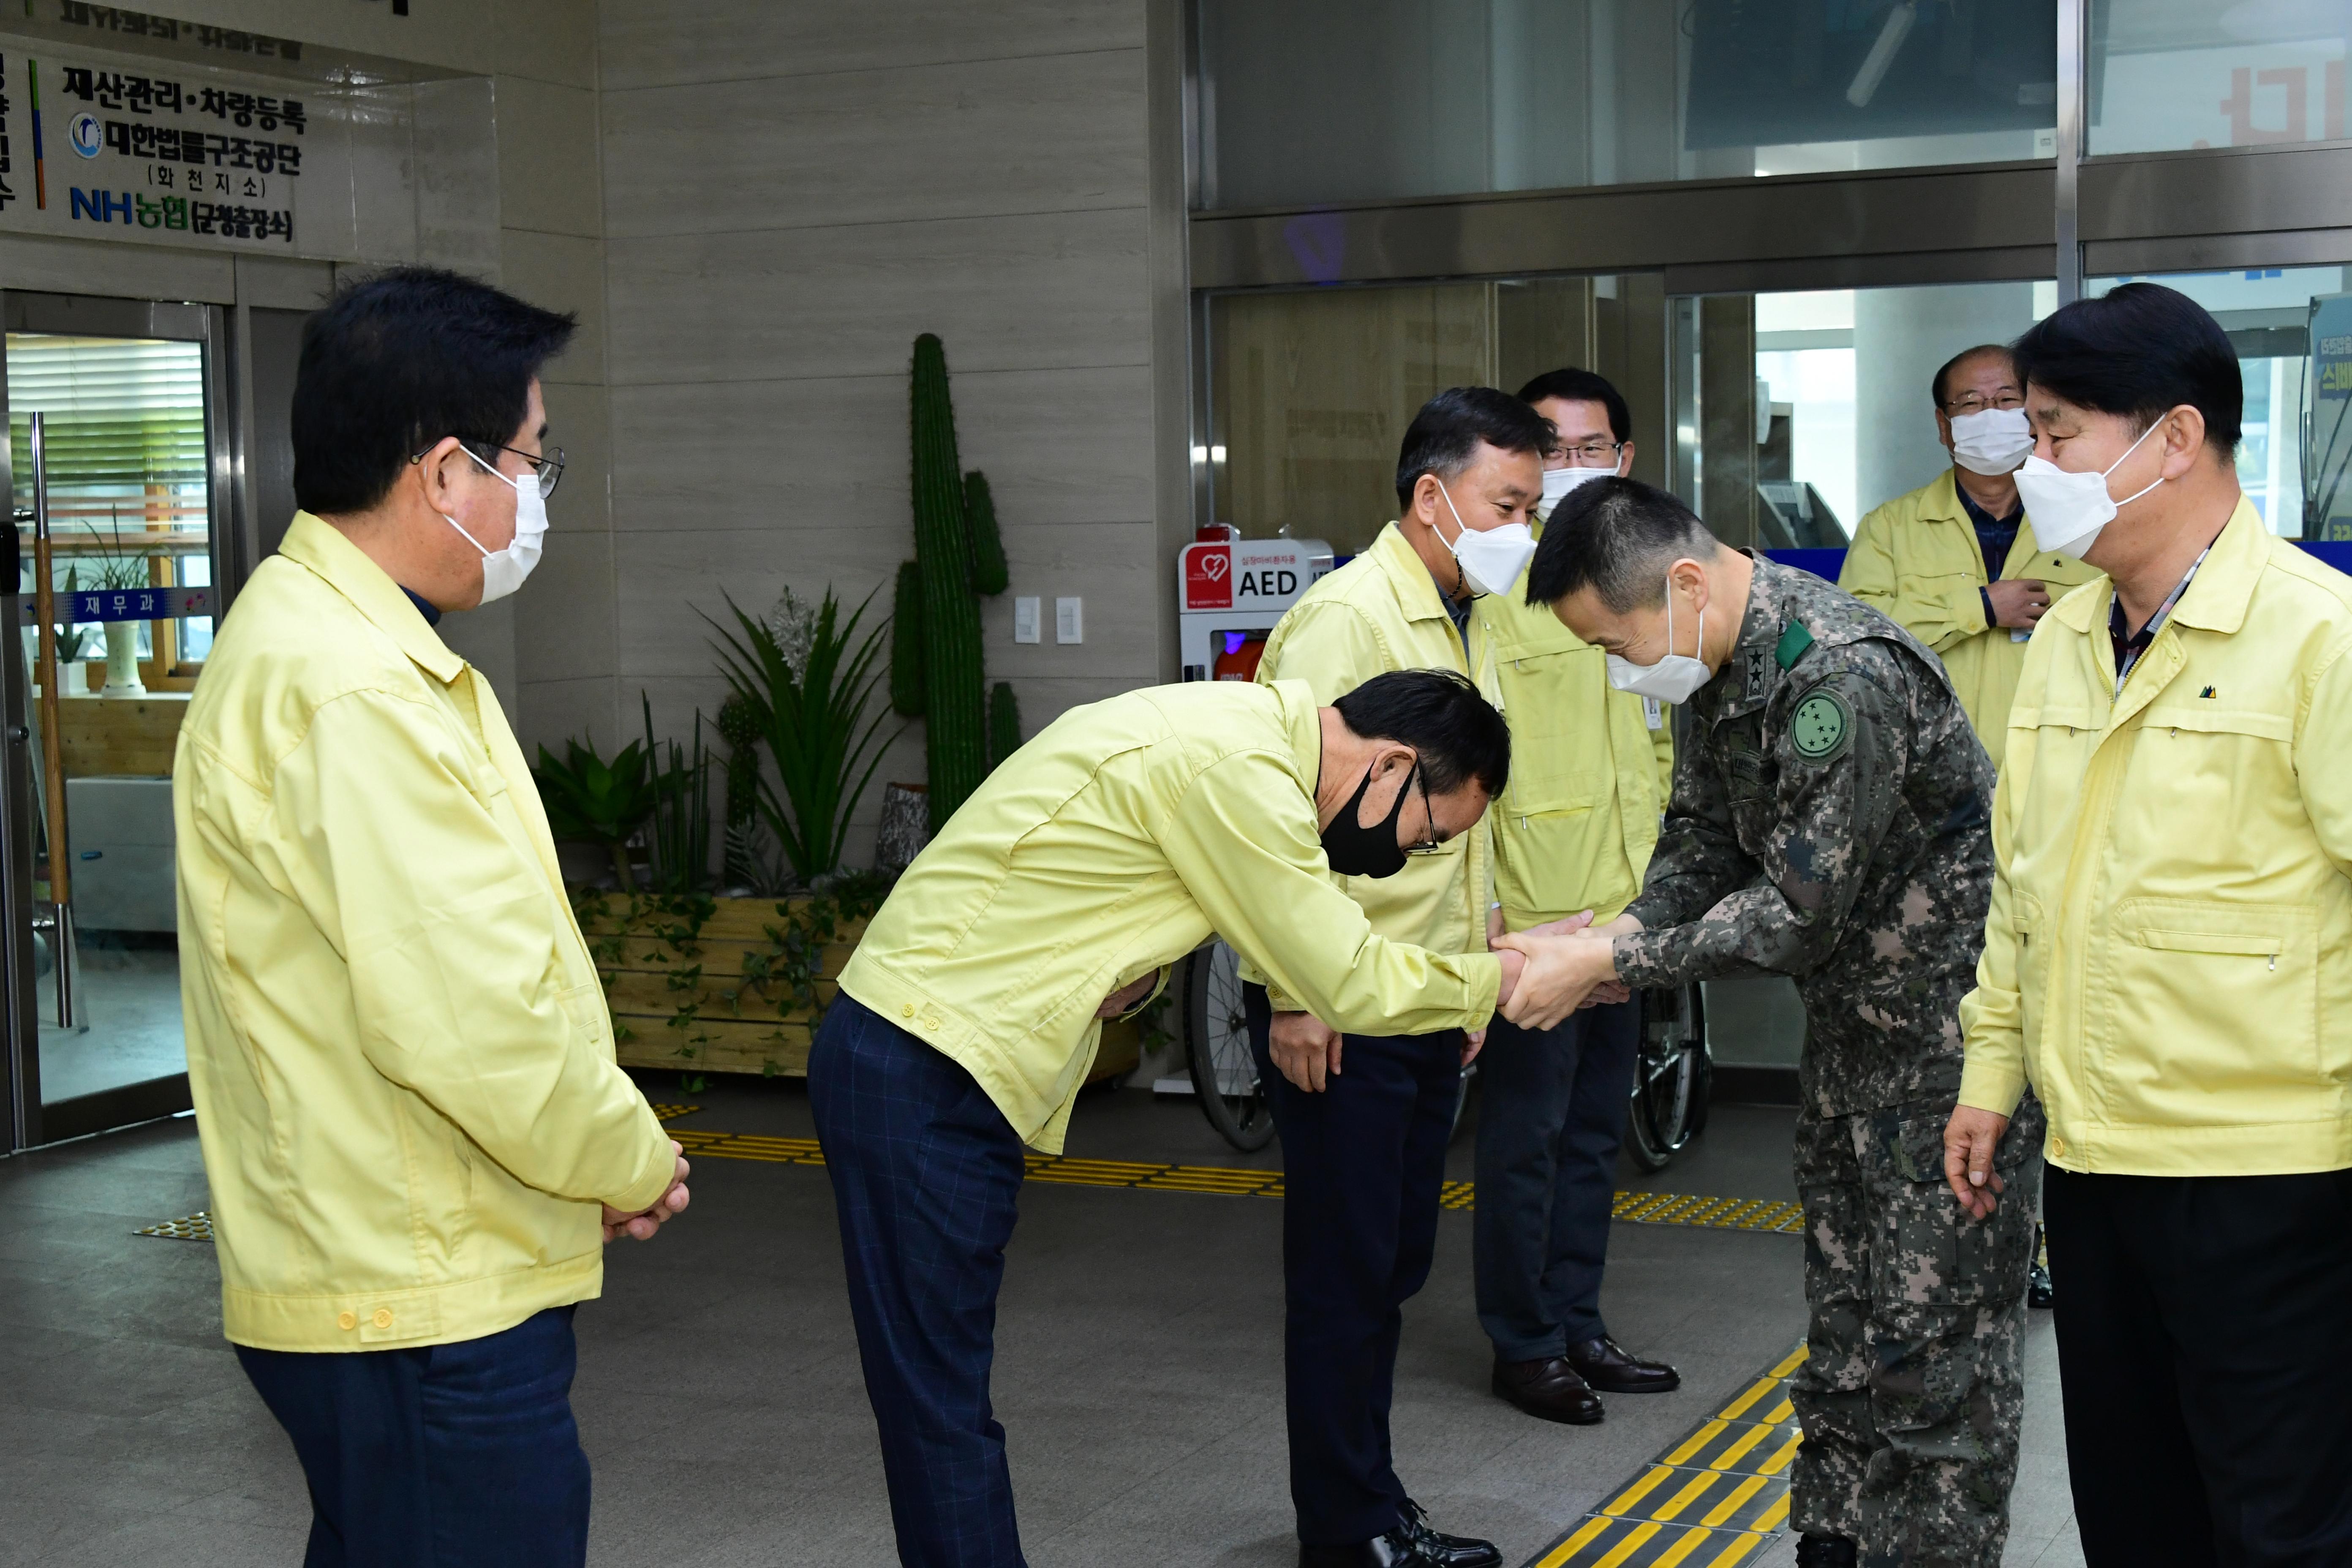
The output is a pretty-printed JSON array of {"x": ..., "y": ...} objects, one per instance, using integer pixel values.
[
  {"x": 584, "y": 1005},
  {"x": 2212, "y": 1012},
  {"x": 2033, "y": 962}
]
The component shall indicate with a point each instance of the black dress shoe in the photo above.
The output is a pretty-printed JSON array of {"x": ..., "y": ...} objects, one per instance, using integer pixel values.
[
  {"x": 1397, "y": 1549},
  {"x": 1549, "y": 1390},
  {"x": 1453, "y": 1551},
  {"x": 1605, "y": 1365},
  {"x": 1824, "y": 1552}
]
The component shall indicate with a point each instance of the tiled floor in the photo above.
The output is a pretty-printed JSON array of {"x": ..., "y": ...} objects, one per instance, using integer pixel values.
[{"x": 1139, "y": 1371}]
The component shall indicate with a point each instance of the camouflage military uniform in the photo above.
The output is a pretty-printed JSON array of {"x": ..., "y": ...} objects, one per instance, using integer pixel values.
[{"x": 1830, "y": 822}]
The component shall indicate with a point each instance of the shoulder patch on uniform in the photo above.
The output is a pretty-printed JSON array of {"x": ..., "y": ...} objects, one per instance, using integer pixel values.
[
  {"x": 1822, "y": 724},
  {"x": 1794, "y": 641}
]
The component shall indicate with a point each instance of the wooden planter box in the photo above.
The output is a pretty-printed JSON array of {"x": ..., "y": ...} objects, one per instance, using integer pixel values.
[{"x": 716, "y": 995}]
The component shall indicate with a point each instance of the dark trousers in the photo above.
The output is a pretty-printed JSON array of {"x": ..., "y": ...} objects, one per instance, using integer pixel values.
[
  {"x": 438, "y": 1457},
  {"x": 926, "y": 1173},
  {"x": 1362, "y": 1163},
  {"x": 1551, "y": 1110},
  {"x": 2202, "y": 1323}
]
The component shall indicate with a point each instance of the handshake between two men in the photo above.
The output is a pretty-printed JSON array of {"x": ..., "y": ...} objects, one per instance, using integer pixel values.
[{"x": 1548, "y": 972}]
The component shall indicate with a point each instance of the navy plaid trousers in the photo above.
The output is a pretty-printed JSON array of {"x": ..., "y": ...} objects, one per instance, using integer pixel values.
[{"x": 925, "y": 1175}]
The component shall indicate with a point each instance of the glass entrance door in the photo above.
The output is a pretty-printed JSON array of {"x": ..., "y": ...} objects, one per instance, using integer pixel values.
[{"x": 125, "y": 398}]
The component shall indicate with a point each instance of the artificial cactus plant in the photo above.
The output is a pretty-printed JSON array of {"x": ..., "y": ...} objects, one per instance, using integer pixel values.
[{"x": 958, "y": 557}]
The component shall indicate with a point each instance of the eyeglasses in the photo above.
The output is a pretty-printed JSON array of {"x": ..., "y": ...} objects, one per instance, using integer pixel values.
[
  {"x": 1592, "y": 454},
  {"x": 547, "y": 465},
  {"x": 1968, "y": 403},
  {"x": 1431, "y": 844}
]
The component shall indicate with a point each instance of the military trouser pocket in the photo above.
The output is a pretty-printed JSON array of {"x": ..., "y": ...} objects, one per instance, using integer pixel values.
[{"x": 1928, "y": 1252}]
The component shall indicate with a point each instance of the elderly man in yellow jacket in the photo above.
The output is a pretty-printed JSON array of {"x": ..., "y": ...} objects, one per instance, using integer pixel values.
[
  {"x": 416, "y": 1135},
  {"x": 2167, "y": 962},
  {"x": 1101, "y": 852},
  {"x": 1956, "y": 563}
]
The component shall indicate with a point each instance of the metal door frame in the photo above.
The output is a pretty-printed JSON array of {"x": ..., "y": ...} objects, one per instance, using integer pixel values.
[{"x": 30, "y": 1122}]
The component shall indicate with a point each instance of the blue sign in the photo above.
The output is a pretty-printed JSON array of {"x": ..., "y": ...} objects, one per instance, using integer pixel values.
[{"x": 127, "y": 604}]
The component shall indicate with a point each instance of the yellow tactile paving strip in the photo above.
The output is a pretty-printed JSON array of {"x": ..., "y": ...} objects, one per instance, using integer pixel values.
[
  {"x": 1714, "y": 1498},
  {"x": 1634, "y": 1207}
]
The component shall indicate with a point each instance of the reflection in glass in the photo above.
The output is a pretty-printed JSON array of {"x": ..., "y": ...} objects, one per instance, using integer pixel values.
[
  {"x": 130, "y": 504},
  {"x": 2170, "y": 75},
  {"x": 1310, "y": 392},
  {"x": 1320, "y": 101}
]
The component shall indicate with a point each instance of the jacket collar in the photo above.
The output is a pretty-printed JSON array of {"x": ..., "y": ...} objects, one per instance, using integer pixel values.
[
  {"x": 1416, "y": 590},
  {"x": 2217, "y": 600},
  {"x": 321, "y": 547},
  {"x": 1304, "y": 720}
]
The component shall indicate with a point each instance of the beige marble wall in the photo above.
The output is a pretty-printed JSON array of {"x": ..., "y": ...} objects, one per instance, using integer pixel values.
[{"x": 792, "y": 191}]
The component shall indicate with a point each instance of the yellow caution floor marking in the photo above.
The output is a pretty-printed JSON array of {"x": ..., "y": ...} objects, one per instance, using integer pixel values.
[
  {"x": 1712, "y": 1499},
  {"x": 1061, "y": 1169}
]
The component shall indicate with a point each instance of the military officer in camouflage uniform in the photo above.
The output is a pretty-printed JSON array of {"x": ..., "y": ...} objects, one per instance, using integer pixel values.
[{"x": 1829, "y": 821}]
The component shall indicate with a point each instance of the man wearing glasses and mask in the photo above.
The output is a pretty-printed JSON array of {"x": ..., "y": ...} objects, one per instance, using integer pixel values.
[{"x": 1956, "y": 563}]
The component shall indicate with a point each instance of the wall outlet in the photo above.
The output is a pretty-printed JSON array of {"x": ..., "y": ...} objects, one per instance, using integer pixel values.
[
  {"x": 1069, "y": 620},
  {"x": 1024, "y": 618}
]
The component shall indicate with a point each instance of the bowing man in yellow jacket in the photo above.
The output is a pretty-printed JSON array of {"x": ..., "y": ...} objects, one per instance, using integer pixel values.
[
  {"x": 1927, "y": 559},
  {"x": 2167, "y": 961},
  {"x": 1365, "y": 1114},
  {"x": 1096, "y": 856},
  {"x": 401, "y": 1061}
]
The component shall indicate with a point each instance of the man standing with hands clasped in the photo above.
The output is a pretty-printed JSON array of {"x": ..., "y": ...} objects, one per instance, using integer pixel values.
[
  {"x": 416, "y": 1137},
  {"x": 1829, "y": 823},
  {"x": 1956, "y": 562},
  {"x": 2168, "y": 961}
]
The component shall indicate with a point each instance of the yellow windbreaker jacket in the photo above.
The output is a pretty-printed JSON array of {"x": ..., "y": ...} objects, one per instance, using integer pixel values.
[
  {"x": 1916, "y": 558},
  {"x": 1590, "y": 767},
  {"x": 402, "y": 1063},
  {"x": 2168, "y": 957},
  {"x": 1380, "y": 612},
  {"x": 1110, "y": 847}
]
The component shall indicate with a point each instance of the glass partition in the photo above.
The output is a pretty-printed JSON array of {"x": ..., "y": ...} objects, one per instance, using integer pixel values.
[
  {"x": 2171, "y": 75},
  {"x": 1807, "y": 410},
  {"x": 128, "y": 461},
  {"x": 2294, "y": 404},
  {"x": 1301, "y": 101},
  {"x": 1310, "y": 392}
]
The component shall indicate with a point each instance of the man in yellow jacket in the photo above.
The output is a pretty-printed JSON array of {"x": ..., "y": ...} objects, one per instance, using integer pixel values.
[
  {"x": 1572, "y": 836},
  {"x": 401, "y": 1061},
  {"x": 1365, "y": 1115},
  {"x": 1104, "y": 850},
  {"x": 1956, "y": 563},
  {"x": 2167, "y": 962}
]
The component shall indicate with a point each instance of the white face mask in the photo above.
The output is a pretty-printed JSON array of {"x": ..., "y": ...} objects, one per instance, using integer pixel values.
[
  {"x": 504, "y": 570},
  {"x": 1491, "y": 561},
  {"x": 2068, "y": 508},
  {"x": 1991, "y": 441},
  {"x": 1675, "y": 678},
  {"x": 1558, "y": 482}
]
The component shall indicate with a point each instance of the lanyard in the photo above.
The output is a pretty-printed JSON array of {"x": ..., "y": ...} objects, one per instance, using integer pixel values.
[{"x": 2146, "y": 638}]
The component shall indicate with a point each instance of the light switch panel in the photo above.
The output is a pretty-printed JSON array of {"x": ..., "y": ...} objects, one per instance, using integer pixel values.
[
  {"x": 1024, "y": 618},
  {"x": 1069, "y": 620}
]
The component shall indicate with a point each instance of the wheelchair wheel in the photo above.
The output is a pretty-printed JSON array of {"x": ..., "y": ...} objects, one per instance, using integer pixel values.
[
  {"x": 1673, "y": 1074},
  {"x": 1217, "y": 1050}
]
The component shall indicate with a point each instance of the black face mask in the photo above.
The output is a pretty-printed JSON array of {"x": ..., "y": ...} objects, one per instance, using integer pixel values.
[{"x": 1355, "y": 851}]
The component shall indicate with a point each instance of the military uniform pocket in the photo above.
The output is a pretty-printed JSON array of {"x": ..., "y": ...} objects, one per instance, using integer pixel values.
[{"x": 1929, "y": 1252}]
